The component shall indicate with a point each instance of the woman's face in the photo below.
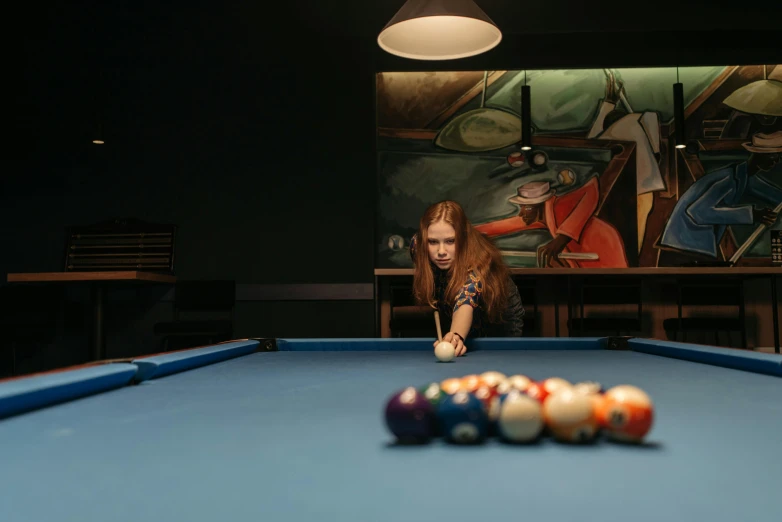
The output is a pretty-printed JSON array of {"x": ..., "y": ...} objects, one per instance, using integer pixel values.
[{"x": 441, "y": 244}]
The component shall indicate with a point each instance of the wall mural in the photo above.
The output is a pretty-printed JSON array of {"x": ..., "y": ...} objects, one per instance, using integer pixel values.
[{"x": 603, "y": 186}]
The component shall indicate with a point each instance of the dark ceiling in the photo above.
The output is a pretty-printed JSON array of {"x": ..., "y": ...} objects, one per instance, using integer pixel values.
[
  {"x": 537, "y": 33},
  {"x": 194, "y": 56}
]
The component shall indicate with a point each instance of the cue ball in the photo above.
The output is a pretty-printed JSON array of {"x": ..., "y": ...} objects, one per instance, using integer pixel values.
[{"x": 444, "y": 352}]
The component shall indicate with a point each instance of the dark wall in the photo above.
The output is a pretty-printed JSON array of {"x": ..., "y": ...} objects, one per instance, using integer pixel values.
[{"x": 251, "y": 126}]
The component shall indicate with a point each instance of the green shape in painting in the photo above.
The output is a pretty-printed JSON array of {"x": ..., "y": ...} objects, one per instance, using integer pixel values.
[
  {"x": 480, "y": 130},
  {"x": 761, "y": 97}
]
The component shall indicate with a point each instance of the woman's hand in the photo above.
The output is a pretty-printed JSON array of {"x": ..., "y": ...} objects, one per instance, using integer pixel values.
[{"x": 457, "y": 342}]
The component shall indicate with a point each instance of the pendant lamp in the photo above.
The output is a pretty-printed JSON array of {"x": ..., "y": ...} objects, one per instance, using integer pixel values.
[{"x": 439, "y": 30}]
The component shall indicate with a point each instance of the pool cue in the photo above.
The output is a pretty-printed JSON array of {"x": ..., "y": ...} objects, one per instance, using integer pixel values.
[
  {"x": 751, "y": 239},
  {"x": 437, "y": 323}
]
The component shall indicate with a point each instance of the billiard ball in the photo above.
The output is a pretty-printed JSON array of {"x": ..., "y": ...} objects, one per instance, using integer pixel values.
[
  {"x": 536, "y": 391},
  {"x": 444, "y": 351},
  {"x": 462, "y": 418},
  {"x": 516, "y": 159},
  {"x": 489, "y": 397},
  {"x": 553, "y": 384},
  {"x": 433, "y": 393},
  {"x": 410, "y": 416},
  {"x": 451, "y": 385},
  {"x": 493, "y": 378},
  {"x": 396, "y": 242},
  {"x": 520, "y": 418},
  {"x": 472, "y": 382},
  {"x": 570, "y": 416},
  {"x": 626, "y": 413},
  {"x": 588, "y": 388},
  {"x": 515, "y": 382}
]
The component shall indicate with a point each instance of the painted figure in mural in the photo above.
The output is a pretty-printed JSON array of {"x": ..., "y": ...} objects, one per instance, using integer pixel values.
[
  {"x": 757, "y": 107},
  {"x": 621, "y": 123},
  {"x": 703, "y": 213},
  {"x": 571, "y": 221},
  {"x": 462, "y": 274}
]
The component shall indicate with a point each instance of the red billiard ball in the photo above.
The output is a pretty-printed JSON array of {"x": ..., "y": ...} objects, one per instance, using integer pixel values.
[
  {"x": 626, "y": 413},
  {"x": 537, "y": 391},
  {"x": 516, "y": 159},
  {"x": 489, "y": 397}
]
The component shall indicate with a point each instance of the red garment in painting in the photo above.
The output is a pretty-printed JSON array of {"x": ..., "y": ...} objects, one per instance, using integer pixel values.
[{"x": 572, "y": 215}]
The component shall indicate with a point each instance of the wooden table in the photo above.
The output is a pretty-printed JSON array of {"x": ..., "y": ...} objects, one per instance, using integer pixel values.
[
  {"x": 382, "y": 313},
  {"x": 99, "y": 280}
]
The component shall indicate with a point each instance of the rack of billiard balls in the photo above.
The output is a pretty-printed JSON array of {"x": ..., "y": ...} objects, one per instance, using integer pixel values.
[{"x": 518, "y": 409}]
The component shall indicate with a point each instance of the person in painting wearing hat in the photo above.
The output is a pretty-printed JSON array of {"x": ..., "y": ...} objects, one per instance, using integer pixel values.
[
  {"x": 703, "y": 213},
  {"x": 571, "y": 221}
]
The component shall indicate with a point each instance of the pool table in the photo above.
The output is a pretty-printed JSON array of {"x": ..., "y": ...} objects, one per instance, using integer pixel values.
[{"x": 293, "y": 430}]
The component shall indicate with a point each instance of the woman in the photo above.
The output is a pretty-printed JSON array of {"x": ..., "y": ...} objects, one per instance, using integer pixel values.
[{"x": 460, "y": 272}]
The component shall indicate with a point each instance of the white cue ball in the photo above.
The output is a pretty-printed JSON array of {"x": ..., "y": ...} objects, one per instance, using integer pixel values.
[{"x": 444, "y": 352}]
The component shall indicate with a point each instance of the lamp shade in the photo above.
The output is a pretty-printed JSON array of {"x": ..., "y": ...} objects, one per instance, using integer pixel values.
[{"x": 439, "y": 30}]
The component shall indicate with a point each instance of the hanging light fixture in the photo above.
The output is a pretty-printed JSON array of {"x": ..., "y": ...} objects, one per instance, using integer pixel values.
[
  {"x": 526, "y": 116},
  {"x": 439, "y": 30},
  {"x": 99, "y": 96},
  {"x": 97, "y": 139},
  {"x": 678, "y": 112}
]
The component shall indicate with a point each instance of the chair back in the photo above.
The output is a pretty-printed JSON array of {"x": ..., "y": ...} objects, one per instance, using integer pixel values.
[{"x": 120, "y": 244}]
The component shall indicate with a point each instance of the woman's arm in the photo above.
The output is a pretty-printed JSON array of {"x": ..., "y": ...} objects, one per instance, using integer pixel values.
[{"x": 461, "y": 324}]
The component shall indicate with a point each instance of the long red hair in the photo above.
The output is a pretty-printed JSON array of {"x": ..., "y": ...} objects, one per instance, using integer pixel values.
[{"x": 474, "y": 253}]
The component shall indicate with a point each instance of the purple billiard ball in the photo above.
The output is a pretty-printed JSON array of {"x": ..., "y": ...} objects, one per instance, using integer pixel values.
[{"x": 410, "y": 416}]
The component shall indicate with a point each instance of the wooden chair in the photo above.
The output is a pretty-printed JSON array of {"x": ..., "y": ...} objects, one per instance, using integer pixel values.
[
  {"x": 610, "y": 292},
  {"x": 203, "y": 314},
  {"x": 703, "y": 295},
  {"x": 120, "y": 244}
]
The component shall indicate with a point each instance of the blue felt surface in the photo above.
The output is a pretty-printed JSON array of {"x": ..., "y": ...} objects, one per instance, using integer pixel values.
[
  {"x": 166, "y": 364},
  {"x": 767, "y": 363},
  {"x": 289, "y": 436},
  {"x": 23, "y": 395},
  {"x": 426, "y": 344}
]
